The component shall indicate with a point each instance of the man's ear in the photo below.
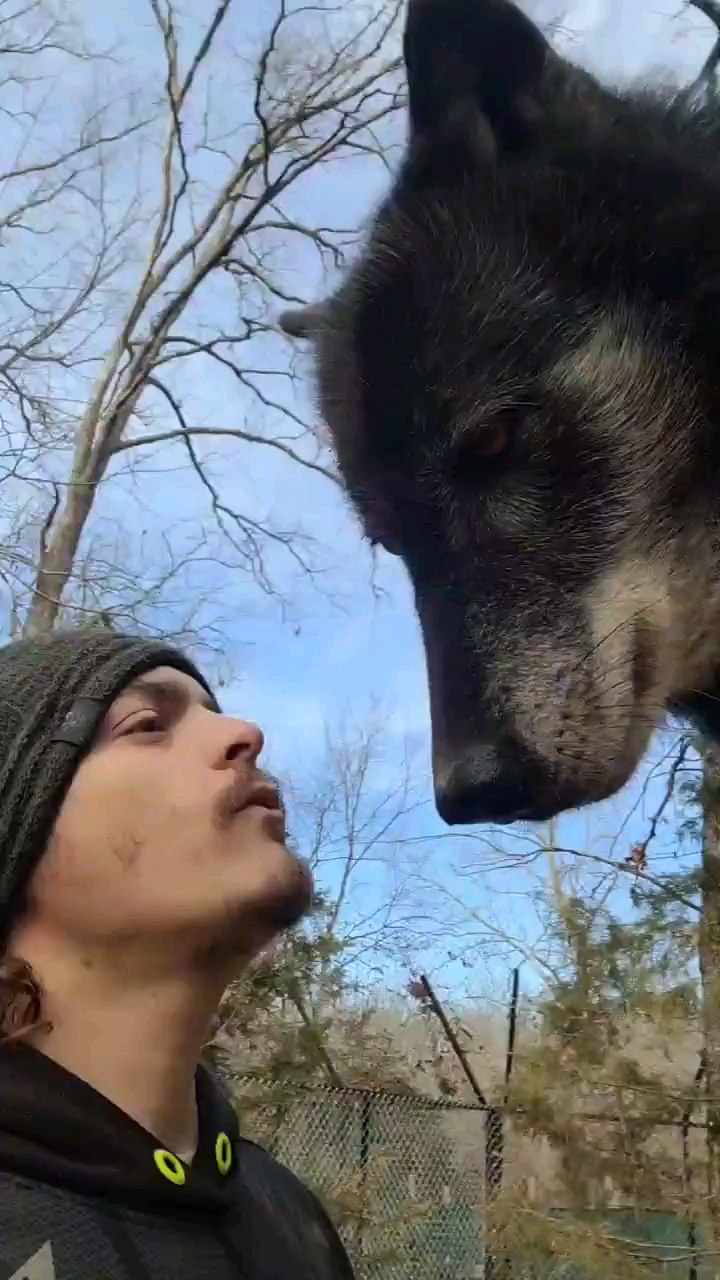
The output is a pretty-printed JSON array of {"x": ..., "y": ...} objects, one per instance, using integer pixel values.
[{"x": 471, "y": 65}]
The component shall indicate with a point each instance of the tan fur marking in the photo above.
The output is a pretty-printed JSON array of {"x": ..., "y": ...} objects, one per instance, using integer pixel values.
[{"x": 614, "y": 361}]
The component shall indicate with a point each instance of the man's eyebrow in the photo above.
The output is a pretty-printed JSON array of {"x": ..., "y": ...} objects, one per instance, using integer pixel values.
[{"x": 167, "y": 695}]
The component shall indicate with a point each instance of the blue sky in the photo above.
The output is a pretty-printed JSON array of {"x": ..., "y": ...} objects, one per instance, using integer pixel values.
[{"x": 339, "y": 646}]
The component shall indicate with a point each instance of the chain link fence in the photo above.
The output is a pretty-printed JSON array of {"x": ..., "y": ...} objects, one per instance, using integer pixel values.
[
  {"x": 413, "y": 1185},
  {"x": 403, "y": 1177}
]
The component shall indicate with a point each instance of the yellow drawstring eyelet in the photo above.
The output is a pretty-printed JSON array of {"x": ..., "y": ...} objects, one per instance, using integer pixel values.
[
  {"x": 223, "y": 1153},
  {"x": 170, "y": 1167}
]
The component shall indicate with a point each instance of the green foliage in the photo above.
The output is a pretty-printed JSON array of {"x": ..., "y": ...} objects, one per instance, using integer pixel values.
[
  {"x": 609, "y": 969},
  {"x": 610, "y": 1073},
  {"x": 297, "y": 1016}
]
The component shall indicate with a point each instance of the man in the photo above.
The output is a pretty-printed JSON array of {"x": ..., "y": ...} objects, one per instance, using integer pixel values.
[{"x": 142, "y": 864}]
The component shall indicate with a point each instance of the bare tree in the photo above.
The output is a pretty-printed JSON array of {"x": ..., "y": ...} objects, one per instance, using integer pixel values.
[
  {"x": 308, "y": 1006},
  {"x": 704, "y": 87},
  {"x": 149, "y": 244},
  {"x": 353, "y": 819}
]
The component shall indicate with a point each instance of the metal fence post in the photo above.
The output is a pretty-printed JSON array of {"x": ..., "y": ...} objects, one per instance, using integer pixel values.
[
  {"x": 365, "y": 1121},
  {"x": 494, "y": 1148}
]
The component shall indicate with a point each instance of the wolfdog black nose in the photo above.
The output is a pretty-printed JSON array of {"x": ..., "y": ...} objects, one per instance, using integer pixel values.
[{"x": 486, "y": 784}]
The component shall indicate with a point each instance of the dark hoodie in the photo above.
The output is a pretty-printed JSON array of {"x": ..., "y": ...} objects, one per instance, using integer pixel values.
[{"x": 87, "y": 1194}]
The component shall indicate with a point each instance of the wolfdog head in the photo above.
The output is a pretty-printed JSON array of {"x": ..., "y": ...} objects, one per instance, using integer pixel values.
[{"x": 521, "y": 378}]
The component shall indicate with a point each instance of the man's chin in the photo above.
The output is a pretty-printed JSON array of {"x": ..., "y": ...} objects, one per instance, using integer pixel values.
[
  {"x": 276, "y": 908},
  {"x": 288, "y": 901}
]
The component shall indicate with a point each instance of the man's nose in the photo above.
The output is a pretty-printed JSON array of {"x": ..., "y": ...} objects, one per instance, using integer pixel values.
[
  {"x": 487, "y": 782},
  {"x": 245, "y": 742}
]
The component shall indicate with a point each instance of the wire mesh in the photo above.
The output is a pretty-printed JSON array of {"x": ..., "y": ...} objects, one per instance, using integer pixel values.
[{"x": 402, "y": 1177}]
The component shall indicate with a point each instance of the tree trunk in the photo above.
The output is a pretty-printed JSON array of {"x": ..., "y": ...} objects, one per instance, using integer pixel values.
[
  {"x": 57, "y": 560},
  {"x": 709, "y": 960}
]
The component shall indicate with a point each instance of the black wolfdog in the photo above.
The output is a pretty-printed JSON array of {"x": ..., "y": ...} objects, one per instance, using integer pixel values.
[{"x": 521, "y": 377}]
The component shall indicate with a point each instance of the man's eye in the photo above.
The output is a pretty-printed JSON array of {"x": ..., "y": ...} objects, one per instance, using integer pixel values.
[{"x": 149, "y": 722}]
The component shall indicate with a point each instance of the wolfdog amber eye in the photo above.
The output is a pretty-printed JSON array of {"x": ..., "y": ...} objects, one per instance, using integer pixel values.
[
  {"x": 489, "y": 443},
  {"x": 493, "y": 441},
  {"x": 482, "y": 451}
]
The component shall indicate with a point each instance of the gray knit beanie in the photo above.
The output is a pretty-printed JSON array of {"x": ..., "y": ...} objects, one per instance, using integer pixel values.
[{"x": 54, "y": 693}]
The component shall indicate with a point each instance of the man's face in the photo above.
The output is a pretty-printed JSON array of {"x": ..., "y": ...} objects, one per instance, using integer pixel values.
[{"x": 159, "y": 839}]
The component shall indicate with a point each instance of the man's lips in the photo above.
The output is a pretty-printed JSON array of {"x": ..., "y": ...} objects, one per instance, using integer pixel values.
[
  {"x": 264, "y": 796},
  {"x": 260, "y": 794}
]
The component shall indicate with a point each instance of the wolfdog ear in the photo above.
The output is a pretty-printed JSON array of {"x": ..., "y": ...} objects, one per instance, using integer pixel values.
[
  {"x": 469, "y": 65},
  {"x": 305, "y": 322}
]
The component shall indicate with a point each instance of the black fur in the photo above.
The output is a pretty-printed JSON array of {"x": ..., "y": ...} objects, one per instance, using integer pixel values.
[{"x": 522, "y": 381}]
